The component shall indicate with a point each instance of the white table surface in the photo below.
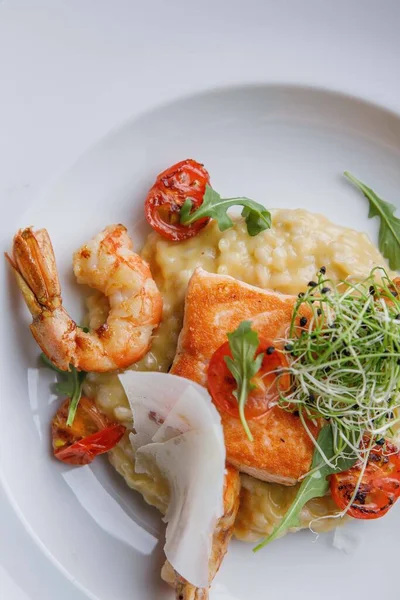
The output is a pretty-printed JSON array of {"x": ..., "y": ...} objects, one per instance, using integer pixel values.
[{"x": 70, "y": 71}]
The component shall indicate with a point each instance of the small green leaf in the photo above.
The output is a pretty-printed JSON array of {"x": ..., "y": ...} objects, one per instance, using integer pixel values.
[
  {"x": 257, "y": 217},
  {"x": 243, "y": 365},
  {"x": 257, "y": 220},
  {"x": 64, "y": 388},
  {"x": 75, "y": 396},
  {"x": 389, "y": 230},
  {"x": 71, "y": 386},
  {"x": 316, "y": 484}
]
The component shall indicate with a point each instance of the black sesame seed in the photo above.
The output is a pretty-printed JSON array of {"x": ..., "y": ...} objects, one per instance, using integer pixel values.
[
  {"x": 270, "y": 350},
  {"x": 322, "y": 270},
  {"x": 395, "y": 293},
  {"x": 372, "y": 290},
  {"x": 397, "y": 317},
  {"x": 312, "y": 284},
  {"x": 380, "y": 442},
  {"x": 303, "y": 321},
  {"x": 319, "y": 312},
  {"x": 288, "y": 347},
  {"x": 301, "y": 295},
  {"x": 325, "y": 290},
  {"x": 346, "y": 352},
  {"x": 311, "y": 397},
  {"x": 391, "y": 415},
  {"x": 334, "y": 325},
  {"x": 296, "y": 413}
]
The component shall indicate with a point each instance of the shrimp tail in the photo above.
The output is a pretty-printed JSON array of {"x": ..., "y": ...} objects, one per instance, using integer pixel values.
[
  {"x": 29, "y": 297},
  {"x": 183, "y": 589},
  {"x": 186, "y": 591},
  {"x": 34, "y": 259},
  {"x": 34, "y": 266}
]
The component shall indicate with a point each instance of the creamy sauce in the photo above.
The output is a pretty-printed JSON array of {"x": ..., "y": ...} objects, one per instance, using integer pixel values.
[{"x": 284, "y": 259}]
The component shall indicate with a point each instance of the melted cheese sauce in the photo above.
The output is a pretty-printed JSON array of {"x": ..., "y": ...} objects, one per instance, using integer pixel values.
[{"x": 284, "y": 259}]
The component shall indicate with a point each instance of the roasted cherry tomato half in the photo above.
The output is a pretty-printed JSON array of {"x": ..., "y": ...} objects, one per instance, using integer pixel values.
[
  {"x": 269, "y": 384},
  {"x": 186, "y": 179},
  {"x": 379, "y": 488},
  {"x": 91, "y": 433}
]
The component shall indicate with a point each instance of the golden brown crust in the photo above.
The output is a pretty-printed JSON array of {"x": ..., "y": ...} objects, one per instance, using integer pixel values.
[{"x": 215, "y": 305}]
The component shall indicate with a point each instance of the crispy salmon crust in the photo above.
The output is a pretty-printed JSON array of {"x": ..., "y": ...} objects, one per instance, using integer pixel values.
[{"x": 215, "y": 305}]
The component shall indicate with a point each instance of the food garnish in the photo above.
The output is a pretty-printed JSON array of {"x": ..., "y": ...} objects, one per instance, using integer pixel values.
[
  {"x": 71, "y": 386},
  {"x": 186, "y": 179},
  {"x": 369, "y": 495},
  {"x": 325, "y": 462},
  {"x": 345, "y": 361},
  {"x": 242, "y": 375},
  {"x": 257, "y": 217},
  {"x": 389, "y": 230},
  {"x": 181, "y": 202},
  {"x": 178, "y": 428},
  {"x": 91, "y": 433}
]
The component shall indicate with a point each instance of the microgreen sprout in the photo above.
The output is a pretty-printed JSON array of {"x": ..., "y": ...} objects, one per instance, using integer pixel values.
[{"x": 344, "y": 345}]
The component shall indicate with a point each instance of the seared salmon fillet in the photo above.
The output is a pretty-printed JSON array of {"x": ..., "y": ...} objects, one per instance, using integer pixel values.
[{"x": 215, "y": 305}]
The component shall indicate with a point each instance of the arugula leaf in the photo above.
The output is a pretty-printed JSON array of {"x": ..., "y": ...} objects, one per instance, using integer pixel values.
[
  {"x": 65, "y": 388},
  {"x": 70, "y": 387},
  {"x": 389, "y": 230},
  {"x": 243, "y": 343},
  {"x": 257, "y": 217},
  {"x": 316, "y": 484}
]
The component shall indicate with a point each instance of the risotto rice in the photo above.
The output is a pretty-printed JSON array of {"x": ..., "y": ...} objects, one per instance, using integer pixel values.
[{"x": 284, "y": 258}]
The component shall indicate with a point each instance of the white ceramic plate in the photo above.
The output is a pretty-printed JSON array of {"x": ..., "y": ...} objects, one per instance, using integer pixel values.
[
  {"x": 283, "y": 146},
  {"x": 74, "y": 71}
]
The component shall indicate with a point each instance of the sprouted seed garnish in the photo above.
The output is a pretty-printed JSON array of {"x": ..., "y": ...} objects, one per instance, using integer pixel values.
[{"x": 345, "y": 360}]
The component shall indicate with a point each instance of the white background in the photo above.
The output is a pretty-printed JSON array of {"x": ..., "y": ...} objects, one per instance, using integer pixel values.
[{"x": 70, "y": 71}]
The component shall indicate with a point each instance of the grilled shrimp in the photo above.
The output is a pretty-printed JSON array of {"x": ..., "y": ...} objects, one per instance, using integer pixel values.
[
  {"x": 107, "y": 263},
  {"x": 222, "y": 535}
]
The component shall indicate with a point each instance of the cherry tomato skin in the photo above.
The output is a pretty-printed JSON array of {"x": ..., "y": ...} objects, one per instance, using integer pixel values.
[
  {"x": 84, "y": 451},
  {"x": 186, "y": 179},
  {"x": 91, "y": 433},
  {"x": 379, "y": 488},
  {"x": 222, "y": 384}
]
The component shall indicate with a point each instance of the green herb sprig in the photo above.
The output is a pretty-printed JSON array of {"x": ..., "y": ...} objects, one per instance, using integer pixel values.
[
  {"x": 70, "y": 387},
  {"x": 257, "y": 217},
  {"x": 345, "y": 362},
  {"x": 389, "y": 230},
  {"x": 243, "y": 365},
  {"x": 316, "y": 484}
]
